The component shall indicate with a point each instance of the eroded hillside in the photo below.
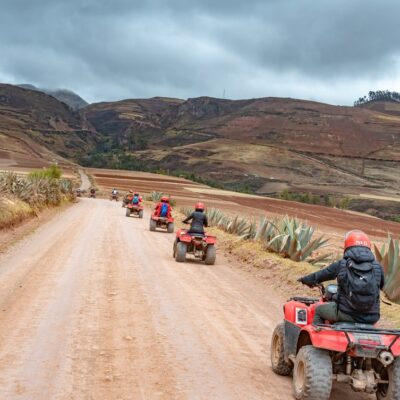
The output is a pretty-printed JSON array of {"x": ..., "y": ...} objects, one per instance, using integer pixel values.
[{"x": 36, "y": 128}]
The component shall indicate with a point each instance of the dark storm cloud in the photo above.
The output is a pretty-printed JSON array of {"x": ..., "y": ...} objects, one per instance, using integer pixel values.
[{"x": 331, "y": 50}]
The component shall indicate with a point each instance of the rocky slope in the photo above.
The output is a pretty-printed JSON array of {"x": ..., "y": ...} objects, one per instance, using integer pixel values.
[
  {"x": 268, "y": 144},
  {"x": 265, "y": 145},
  {"x": 36, "y": 128}
]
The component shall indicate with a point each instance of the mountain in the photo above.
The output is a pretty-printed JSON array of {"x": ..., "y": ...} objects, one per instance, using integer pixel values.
[
  {"x": 36, "y": 128},
  {"x": 66, "y": 96},
  {"x": 265, "y": 145}
]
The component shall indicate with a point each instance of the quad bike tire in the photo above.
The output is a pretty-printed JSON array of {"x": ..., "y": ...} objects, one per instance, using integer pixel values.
[
  {"x": 180, "y": 252},
  {"x": 140, "y": 214},
  {"x": 153, "y": 225},
  {"x": 211, "y": 255},
  {"x": 128, "y": 212},
  {"x": 312, "y": 374},
  {"x": 171, "y": 227},
  {"x": 279, "y": 365},
  {"x": 391, "y": 390}
]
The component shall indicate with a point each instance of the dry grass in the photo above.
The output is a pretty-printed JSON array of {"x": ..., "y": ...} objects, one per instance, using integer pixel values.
[{"x": 13, "y": 211}]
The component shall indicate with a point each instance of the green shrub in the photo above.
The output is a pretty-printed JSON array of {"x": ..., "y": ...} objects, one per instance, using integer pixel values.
[{"x": 52, "y": 172}]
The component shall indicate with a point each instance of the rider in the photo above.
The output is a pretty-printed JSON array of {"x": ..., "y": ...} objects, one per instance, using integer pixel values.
[
  {"x": 199, "y": 219},
  {"x": 161, "y": 206},
  {"x": 114, "y": 192},
  {"x": 128, "y": 197},
  {"x": 136, "y": 199},
  {"x": 360, "y": 278}
]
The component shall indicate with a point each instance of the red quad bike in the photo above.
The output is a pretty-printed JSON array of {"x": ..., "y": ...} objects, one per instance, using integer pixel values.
[
  {"x": 200, "y": 246},
  {"x": 135, "y": 209},
  {"x": 363, "y": 356},
  {"x": 162, "y": 222}
]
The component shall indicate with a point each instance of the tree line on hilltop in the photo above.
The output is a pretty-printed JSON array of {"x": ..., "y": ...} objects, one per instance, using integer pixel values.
[{"x": 379, "y": 95}]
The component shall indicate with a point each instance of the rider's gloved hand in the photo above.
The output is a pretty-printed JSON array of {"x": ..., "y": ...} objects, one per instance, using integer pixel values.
[{"x": 307, "y": 280}]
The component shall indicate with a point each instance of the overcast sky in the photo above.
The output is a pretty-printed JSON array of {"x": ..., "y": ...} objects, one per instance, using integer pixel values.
[{"x": 327, "y": 50}]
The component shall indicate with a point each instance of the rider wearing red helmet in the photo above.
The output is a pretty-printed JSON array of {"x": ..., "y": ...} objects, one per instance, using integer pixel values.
[
  {"x": 163, "y": 204},
  {"x": 360, "y": 278},
  {"x": 198, "y": 218}
]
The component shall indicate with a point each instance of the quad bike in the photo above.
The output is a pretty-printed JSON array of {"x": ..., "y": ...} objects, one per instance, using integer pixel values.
[
  {"x": 126, "y": 201},
  {"x": 114, "y": 197},
  {"x": 363, "y": 356},
  {"x": 92, "y": 194},
  {"x": 135, "y": 209},
  {"x": 201, "y": 246},
  {"x": 162, "y": 222}
]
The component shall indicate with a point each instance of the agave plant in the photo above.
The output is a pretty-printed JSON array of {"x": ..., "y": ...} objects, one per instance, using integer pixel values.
[
  {"x": 216, "y": 217},
  {"x": 185, "y": 211},
  {"x": 291, "y": 238},
  {"x": 34, "y": 189},
  {"x": 154, "y": 196},
  {"x": 389, "y": 257},
  {"x": 286, "y": 236}
]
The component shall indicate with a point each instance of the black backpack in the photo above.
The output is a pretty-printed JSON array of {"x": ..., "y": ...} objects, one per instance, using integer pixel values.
[{"x": 360, "y": 286}]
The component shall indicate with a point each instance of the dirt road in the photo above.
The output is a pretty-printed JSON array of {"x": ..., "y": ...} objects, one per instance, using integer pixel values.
[
  {"x": 85, "y": 182},
  {"x": 92, "y": 306}
]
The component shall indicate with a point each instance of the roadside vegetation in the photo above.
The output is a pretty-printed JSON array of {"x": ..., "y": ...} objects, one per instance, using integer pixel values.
[
  {"x": 156, "y": 197},
  {"x": 389, "y": 257},
  {"x": 286, "y": 236},
  {"x": 295, "y": 240},
  {"x": 22, "y": 197}
]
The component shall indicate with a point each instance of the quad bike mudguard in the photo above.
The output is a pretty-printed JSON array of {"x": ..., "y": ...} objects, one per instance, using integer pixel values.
[
  {"x": 157, "y": 218},
  {"x": 360, "y": 339},
  {"x": 182, "y": 235}
]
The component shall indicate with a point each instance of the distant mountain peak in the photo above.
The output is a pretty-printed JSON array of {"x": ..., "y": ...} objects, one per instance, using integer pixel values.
[{"x": 67, "y": 96}]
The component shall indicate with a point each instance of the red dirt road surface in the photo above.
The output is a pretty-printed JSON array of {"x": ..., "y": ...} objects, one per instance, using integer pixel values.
[{"x": 93, "y": 306}]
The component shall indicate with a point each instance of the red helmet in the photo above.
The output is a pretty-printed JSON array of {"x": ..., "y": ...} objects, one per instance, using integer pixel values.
[
  {"x": 356, "y": 238},
  {"x": 199, "y": 206},
  {"x": 165, "y": 199}
]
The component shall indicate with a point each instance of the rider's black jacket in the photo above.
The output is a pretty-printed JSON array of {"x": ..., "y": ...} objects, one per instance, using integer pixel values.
[
  {"x": 199, "y": 221},
  {"x": 358, "y": 254}
]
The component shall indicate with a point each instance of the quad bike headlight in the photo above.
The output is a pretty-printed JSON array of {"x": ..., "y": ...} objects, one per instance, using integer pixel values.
[{"x": 301, "y": 316}]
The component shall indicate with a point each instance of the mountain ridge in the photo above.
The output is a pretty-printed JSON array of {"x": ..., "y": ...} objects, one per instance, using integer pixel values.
[
  {"x": 264, "y": 145},
  {"x": 66, "y": 96}
]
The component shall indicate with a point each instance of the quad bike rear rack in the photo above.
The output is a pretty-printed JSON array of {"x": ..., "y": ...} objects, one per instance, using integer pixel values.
[
  {"x": 362, "y": 329},
  {"x": 358, "y": 328}
]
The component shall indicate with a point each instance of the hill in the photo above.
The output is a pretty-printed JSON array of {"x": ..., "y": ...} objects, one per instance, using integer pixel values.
[
  {"x": 263, "y": 145},
  {"x": 267, "y": 146},
  {"x": 36, "y": 128},
  {"x": 68, "y": 97}
]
